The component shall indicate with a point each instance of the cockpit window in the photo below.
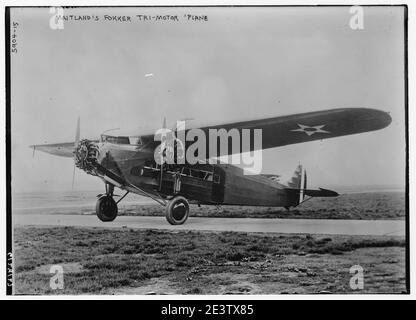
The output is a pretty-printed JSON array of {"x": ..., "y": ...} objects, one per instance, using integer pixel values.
[
  {"x": 116, "y": 140},
  {"x": 132, "y": 140},
  {"x": 137, "y": 141}
]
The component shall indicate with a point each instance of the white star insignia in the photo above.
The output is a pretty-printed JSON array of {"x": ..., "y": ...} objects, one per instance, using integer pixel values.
[{"x": 310, "y": 130}]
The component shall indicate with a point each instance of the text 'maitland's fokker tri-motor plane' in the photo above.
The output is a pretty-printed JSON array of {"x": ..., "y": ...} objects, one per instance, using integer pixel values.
[{"x": 127, "y": 162}]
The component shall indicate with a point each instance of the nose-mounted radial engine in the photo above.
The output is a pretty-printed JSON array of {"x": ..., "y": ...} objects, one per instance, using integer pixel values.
[
  {"x": 87, "y": 158},
  {"x": 86, "y": 155}
]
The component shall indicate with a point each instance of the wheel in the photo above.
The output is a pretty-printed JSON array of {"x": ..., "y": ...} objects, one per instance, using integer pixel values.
[
  {"x": 106, "y": 208},
  {"x": 177, "y": 211}
]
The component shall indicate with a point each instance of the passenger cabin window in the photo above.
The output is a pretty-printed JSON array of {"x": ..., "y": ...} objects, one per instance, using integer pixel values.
[
  {"x": 186, "y": 171},
  {"x": 216, "y": 178},
  {"x": 200, "y": 174}
]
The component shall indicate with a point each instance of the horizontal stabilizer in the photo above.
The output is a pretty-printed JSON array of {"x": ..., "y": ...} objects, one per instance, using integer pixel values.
[
  {"x": 321, "y": 193},
  {"x": 315, "y": 193}
]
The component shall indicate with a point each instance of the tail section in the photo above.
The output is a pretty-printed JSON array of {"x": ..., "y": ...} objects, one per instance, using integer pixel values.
[
  {"x": 297, "y": 188},
  {"x": 298, "y": 182}
]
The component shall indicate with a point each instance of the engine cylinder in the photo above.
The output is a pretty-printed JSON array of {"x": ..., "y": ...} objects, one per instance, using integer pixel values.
[{"x": 86, "y": 155}]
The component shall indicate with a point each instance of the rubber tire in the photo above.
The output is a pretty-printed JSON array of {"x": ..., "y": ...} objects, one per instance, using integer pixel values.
[
  {"x": 106, "y": 208},
  {"x": 173, "y": 218}
]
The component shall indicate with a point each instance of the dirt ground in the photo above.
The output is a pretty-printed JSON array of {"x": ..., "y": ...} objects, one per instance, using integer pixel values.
[{"x": 125, "y": 261}]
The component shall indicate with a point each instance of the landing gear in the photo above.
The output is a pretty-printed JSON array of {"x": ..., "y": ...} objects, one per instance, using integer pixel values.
[
  {"x": 106, "y": 207},
  {"x": 177, "y": 211}
]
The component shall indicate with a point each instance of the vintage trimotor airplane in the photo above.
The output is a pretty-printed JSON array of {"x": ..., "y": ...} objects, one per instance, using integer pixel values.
[{"x": 128, "y": 162}]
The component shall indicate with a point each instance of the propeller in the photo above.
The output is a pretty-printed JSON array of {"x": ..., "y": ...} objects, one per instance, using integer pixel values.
[{"x": 77, "y": 135}]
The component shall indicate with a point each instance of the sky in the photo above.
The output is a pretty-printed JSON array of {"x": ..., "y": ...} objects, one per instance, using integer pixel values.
[{"x": 242, "y": 63}]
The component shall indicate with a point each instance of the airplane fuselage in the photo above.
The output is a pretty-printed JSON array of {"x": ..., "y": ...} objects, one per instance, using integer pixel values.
[{"x": 220, "y": 184}]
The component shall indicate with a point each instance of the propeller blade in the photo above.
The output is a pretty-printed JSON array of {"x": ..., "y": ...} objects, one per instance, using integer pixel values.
[
  {"x": 77, "y": 137},
  {"x": 77, "y": 133},
  {"x": 73, "y": 177},
  {"x": 163, "y": 150}
]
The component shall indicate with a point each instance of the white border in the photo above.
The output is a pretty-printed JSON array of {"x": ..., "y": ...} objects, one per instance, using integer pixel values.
[{"x": 412, "y": 176}]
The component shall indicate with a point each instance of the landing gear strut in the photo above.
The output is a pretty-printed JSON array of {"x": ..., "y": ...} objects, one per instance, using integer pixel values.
[
  {"x": 106, "y": 207},
  {"x": 177, "y": 211}
]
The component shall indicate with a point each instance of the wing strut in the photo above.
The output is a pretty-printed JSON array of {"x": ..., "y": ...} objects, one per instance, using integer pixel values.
[{"x": 160, "y": 201}]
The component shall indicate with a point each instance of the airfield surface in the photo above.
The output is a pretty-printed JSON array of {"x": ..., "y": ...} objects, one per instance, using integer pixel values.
[{"x": 298, "y": 226}]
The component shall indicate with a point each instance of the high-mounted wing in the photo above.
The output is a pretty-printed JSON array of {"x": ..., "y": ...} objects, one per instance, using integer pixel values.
[
  {"x": 297, "y": 128},
  {"x": 304, "y": 127},
  {"x": 277, "y": 131}
]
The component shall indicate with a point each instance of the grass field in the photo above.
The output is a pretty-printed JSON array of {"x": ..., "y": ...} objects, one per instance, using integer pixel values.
[
  {"x": 368, "y": 206},
  {"x": 127, "y": 261}
]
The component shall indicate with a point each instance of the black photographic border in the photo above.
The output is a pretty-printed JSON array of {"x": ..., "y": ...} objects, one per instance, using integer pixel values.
[{"x": 9, "y": 224}]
